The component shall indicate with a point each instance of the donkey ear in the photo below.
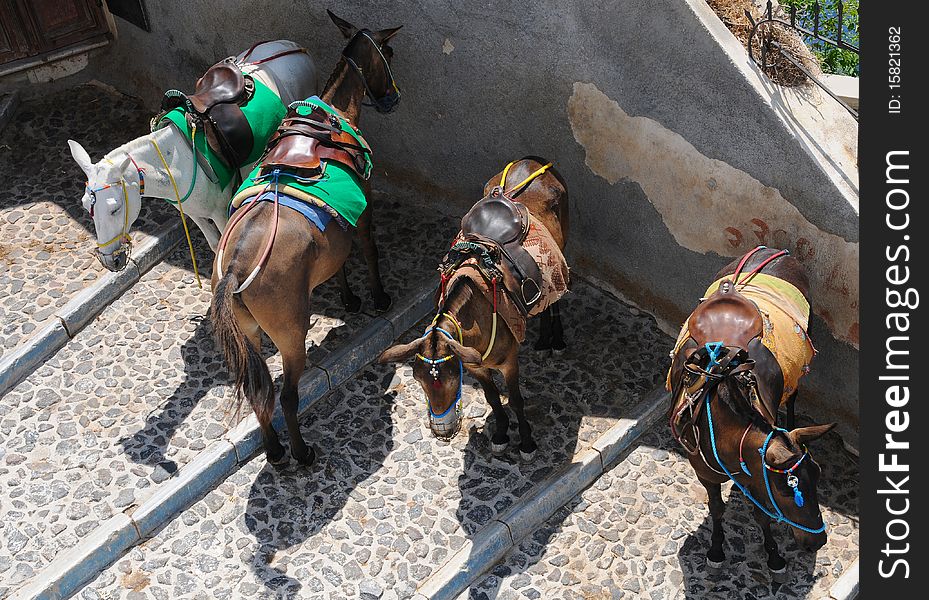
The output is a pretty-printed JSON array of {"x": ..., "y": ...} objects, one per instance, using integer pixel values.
[
  {"x": 384, "y": 35},
  {"x": 400, "y": 352},
  {"x": 81, "y": 158},
  {"x": 347, "y": 29},
  {"x": 804, "y": 435},
  {"x": 465, "y": 354}
]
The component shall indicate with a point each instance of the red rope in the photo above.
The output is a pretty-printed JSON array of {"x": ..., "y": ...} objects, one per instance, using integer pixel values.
[
  {"x": 758, "y": 269},
  {"x": 748, "y": 255},
  {"x": 269, "y": 58}
]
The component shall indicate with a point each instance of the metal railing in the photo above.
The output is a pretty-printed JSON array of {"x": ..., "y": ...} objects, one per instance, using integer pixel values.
[{"x": 767, "y": 42}]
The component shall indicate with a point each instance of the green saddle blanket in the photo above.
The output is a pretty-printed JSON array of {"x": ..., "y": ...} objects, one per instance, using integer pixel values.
[
  {"x": 338, "y": 186},
  {"x": 264, "y": 112}
]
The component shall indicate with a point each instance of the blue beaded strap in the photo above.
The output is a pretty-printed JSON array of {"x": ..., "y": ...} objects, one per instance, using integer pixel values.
[{"x": 438, "y": 361}]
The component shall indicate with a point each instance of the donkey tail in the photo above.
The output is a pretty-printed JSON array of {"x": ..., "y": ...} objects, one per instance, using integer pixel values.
[{"x": 242, "y": 358}]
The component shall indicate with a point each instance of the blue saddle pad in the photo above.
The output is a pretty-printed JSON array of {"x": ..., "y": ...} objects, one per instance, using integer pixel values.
[{"x": 314, "y": 214}]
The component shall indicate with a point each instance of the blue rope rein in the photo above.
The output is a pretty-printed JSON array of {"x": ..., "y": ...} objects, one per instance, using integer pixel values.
[{"x": 778, "y": 516}]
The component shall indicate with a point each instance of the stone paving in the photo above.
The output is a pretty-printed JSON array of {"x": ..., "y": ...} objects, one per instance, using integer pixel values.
[
  {"x": 46, "y": 237},
  {"x": 642, "y": 531},
  {"x": 387, "y": 503},
  {"x": 142, "y": 389}
]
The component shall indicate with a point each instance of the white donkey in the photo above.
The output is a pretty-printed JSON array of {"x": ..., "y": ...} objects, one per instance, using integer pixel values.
[{"x": 112, "y": 195}]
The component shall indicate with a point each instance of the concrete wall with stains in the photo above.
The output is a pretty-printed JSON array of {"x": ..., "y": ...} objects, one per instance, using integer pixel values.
[{"x": 678, "y": 153}]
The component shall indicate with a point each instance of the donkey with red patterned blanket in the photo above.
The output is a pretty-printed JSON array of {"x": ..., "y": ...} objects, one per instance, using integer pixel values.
[{"x": 504, "y": 267}]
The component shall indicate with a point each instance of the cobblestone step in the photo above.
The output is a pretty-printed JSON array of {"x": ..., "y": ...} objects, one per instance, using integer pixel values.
[
  {"x": 643, "y": 529},
  {"x": 46, "y": 236},
  {"x": 140, "y": 393},
  {"x": 387, "y": 503},
  {"x": 74, "y": 315}
]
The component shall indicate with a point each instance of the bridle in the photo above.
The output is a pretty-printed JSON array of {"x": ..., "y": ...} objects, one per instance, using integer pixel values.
[
  {"x": 123, "y": 235},
  {"x": 435, "y": 419},
  {"x": 383, "y": 104},
  {"x": 792, "y": 480}
]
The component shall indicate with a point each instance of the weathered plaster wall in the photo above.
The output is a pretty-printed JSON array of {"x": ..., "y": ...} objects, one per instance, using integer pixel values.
[{"x": 678, "y": 153}]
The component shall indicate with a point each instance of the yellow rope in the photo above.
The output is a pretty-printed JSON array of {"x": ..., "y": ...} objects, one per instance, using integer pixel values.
[
  {"x": 180, "y": 207},
  {"x": 522, "y": 183},
  {"x": 453, "y": 320},
  {"x": 493, "y": 337}
]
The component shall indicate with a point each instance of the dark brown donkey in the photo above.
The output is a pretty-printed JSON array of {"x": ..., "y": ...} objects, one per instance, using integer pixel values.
[
  {"x": 277, "y": 300},
  {"x": 727, "y": 384},
  {"x": 465, "y": 334}
]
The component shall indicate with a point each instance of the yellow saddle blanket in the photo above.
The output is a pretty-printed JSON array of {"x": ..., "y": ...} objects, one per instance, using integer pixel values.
[{"x": 786, "y": 315}]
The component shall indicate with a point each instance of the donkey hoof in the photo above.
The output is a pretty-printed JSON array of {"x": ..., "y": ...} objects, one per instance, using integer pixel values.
[
  {"x": 779, "y": 576},
  {"x": 382, "y": 302},
  {"x": 714, "y": 568},
  {"x": 307, "y": 459},
  {"x": 498, "y": 448},
  {"x": 277, "y": 460},
  {"x": 526, "y": 456},
  {"x": 352, "y": 305}
]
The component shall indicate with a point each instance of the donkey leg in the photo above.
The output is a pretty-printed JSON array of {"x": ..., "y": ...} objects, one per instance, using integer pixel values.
[
  {"x": 776, "y": 563},
  {"x": 791, "y": 411},
  {"x": 365, "y": 227},
  {"x": 527, "y": 445},
  {"x": 208, "y": 229},
  {"x": 350, "y": 301},
  {"x": 500, "y": 438},
  {"x": 715, "y": 555},
  {"x": 558, "y": 343},
  {"x": 545, "y": 331},
  {"x": 294, "y": 359}
]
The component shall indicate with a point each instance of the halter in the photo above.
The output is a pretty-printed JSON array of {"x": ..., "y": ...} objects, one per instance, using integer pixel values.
[
  {"x": 388, "y": 101},
  {"x": 123, "y": 235},
  {"x": 434, "y": 362},
  {"x": 792, "y": 480}
]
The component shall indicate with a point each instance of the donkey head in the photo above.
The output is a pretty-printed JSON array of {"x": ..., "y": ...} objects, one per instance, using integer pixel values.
[
  {"x": 438, "y": 366},
  {"x": 112, "y": 196},
  {"x": 787, "y": 457},
  {"x": 369, "y": 54}
]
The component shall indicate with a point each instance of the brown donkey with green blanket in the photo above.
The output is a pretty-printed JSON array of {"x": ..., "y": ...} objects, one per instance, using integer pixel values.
[{"x": 271, "y": 259}]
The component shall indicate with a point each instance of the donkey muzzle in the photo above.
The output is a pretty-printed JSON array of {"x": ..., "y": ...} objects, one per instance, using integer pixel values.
[{"x": 115, "y": 262}]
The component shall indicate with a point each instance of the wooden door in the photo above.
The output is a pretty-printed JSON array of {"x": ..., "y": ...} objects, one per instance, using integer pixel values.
[{"x": 30, "y": 28}]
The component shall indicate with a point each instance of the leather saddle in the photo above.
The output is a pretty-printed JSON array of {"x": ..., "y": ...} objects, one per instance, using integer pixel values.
[
  {"x": 728, "y": 317},
  {"x": 500, "y": 225},
  {"x": 215, "y": 107},
  {"x": 303, "y": 142}
]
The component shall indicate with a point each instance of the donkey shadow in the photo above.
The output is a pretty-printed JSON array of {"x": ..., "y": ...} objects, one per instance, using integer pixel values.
[
  {"x": 561, "y": 391},
  {"x": 288, "y": 506},
  {"x": 205, "y": 387},
  {"x": 744, "y": 572}
]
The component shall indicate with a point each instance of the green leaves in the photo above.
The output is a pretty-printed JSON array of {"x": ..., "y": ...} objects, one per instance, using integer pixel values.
[{"x": 832, "y": 60}]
